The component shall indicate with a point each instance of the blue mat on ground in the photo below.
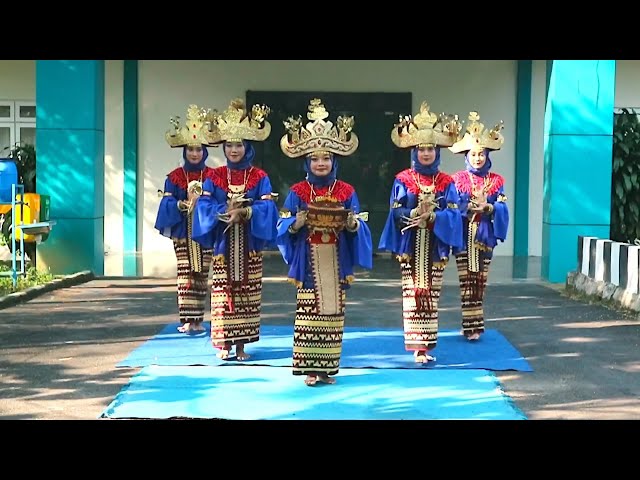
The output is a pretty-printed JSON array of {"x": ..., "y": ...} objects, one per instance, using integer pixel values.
[
  {"x": 265, "y": 393},
  {"x": 362, "y": 348}
]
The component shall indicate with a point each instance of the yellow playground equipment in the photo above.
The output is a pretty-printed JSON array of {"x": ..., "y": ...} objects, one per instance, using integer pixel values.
[
  {"x": 30, "y": 208},
  {"x": 25, "y": 223}
]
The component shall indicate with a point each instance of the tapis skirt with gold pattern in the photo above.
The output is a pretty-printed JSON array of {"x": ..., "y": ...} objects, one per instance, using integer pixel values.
[
  {"x": 236, "y": 292},
  {"x": 319, "y": 320},
  {"x": 421, "y": 286},
  {"x": 193, "y": 264},
  {"x": 473, "y": 271}
]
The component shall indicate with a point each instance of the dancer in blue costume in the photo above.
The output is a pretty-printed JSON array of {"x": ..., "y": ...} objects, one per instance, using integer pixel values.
[
  {"x": 174, "y": 220},
  {"x": 485, "y": 216},
  {"x": 322, "y": 236},
  {"x": 236, "y": 217},
  {"x": 423, "y": 224}
]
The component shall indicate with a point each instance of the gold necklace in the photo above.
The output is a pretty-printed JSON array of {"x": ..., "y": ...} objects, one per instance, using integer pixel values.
[
  {"x": 322, "y": 197},
  {"x": 238, "y": 188},
  {"x": 425, "y": 188},
  {"x": 186, "y": 175}
]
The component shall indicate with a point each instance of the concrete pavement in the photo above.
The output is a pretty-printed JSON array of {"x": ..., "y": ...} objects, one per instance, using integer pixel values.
[{"x": 58, "y": 352}]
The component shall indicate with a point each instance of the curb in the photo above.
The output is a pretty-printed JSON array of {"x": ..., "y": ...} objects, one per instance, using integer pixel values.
[
  {"x": 586, "y": 289},
  {"x": 33, "y": 292}
]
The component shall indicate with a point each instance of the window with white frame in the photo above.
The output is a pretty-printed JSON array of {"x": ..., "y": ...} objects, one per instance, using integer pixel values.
[{"x": 17, "y": 124}]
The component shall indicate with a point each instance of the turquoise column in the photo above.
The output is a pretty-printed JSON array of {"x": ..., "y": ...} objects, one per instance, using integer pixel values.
[
  {"x": 520, "y": 209},
  {"x": 70, "y": 162},
  {"x": 577, "y": 159},
  {"x": 131, "y": 265}
]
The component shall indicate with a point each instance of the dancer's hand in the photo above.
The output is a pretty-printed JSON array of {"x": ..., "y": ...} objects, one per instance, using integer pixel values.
[
  {"x": 475, "y": 207},
  {"x": 184, "y": 205},
  {"x": 301, "y": 219},
  {"x": 483, "y": 207},
  {"x": 236, "y": 215},
  {"x": 426, "y": 207},
  {"x": 352, "y": 221},
  {"x": 192, "y": 195},
  {"x": 487, "y": 208},
  {"x": 233, "y": 204},
  {"x": 421, "y": 221}
]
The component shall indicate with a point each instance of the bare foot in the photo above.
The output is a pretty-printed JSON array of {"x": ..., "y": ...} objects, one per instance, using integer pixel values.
[
  {"x": 326, "y": 379},
  {"x": 311, "y": 380},
  {"x": 422, "y": 357},
  {"x": 188, "y": 327},
  {"x": 240, "y": 353},
  {"x": 472, "y": 336},
  {"x": 223, "y": 354}
]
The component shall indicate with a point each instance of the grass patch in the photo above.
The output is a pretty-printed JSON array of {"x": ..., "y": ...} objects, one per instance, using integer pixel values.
[{"x": 31, "y": 278}]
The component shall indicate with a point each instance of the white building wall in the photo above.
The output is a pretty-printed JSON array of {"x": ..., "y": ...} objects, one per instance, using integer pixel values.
[
  {"x": 455, "y": 86},
  {"x": 18, "y": 80},
  {"x": 627, "y": 84},
  {"x": 536, "y": 160},
  {"x": 113, "y": 166},
  {"x": 168, "y": 87}
]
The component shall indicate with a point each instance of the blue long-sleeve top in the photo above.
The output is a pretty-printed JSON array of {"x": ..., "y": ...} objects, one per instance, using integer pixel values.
[
  {"x": 354, "y": 248},
  {"x": 492, "y": 227},
  {"x": 447, "y": 227},
  {"x": 170, "y": 221},
  {"x": 209, "y": 231}
]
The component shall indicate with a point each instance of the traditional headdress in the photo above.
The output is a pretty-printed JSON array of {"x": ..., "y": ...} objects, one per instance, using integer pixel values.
[
  {"x": 426, "y": 129},
  {"x": 236, "y": 124},
  {"x": 195, "y": 132},
  {"x": 318, "y": 135},
  {"x": 478, "y": 137}
]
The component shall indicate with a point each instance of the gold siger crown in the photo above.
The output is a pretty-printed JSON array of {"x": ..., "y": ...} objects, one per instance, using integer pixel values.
[
  {"x": 477, "y": 137},
  {"x": 318, "y": 135},
  {"x": 236, "y": 124},
  {"x": 426, "y": 128},
  {"x": 196, "y": 130}
]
